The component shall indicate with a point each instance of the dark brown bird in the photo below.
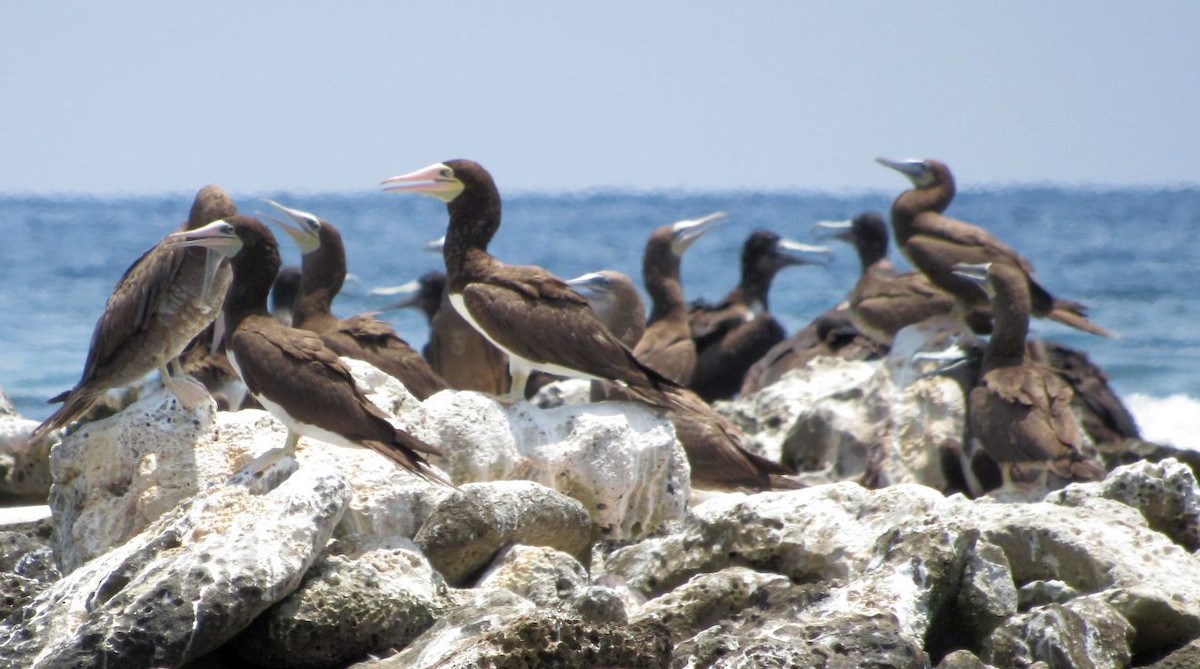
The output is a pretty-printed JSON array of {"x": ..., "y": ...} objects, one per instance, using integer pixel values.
[
  {"x": 667, "y": 344},
  {"x": 830, "y": 334},
  {"x": 455, "y": 350},
  {"x": 935, "y": 243},
  {"x": 1020, "y": 412},
  {"x": 164, "y": 299},
  {"x": 616, "y": 302},
  {"x": 534, "y": 317},
  {"x": 713, "y": 445},
  {"x": 423, "y": 294},
  {"x": 884, "y": 300},
  {"x": 733, "y": 334},
  {"x": 362, "y": 337},
  {"x": 284, "y": 292},
  {"x": 290, "y": 371}
]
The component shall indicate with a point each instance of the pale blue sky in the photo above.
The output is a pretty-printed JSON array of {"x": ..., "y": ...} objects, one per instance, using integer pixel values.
[{"x": 148, "y": 97}]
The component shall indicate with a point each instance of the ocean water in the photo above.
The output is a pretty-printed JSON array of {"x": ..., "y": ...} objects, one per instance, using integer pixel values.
[{"x": 1131, "y": 255}]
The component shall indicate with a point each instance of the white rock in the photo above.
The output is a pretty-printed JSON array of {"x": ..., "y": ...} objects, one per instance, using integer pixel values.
[
  {"x": 619, "y": 459},
  {"x": 186, "y": 585}
]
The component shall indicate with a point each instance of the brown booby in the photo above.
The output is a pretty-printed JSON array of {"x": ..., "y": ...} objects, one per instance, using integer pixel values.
[
  {"x": 164, "y": 299},
  {"x": 935, "y": 243},
  {"x": 1020, "y": 411},
  {"x": 733, "y": 334},
  {"x": 362, "y": 337},
  {"x": 667, "y": 344},
  {"x": 884, "y": 300},
  {"x": 534, "y": 317},
  {"x": 284, "y": 292},
  {"x": 290, "y": 371},
  {"x": 832, "y": 334},
  {"x": 424, "y": 294},
  {"x": 712, "y": 444},
  {"x": 616, "y": 301}
]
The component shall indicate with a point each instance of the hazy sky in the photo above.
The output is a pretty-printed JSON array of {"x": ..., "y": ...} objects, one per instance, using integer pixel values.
[{"x": 144, "y": 97}]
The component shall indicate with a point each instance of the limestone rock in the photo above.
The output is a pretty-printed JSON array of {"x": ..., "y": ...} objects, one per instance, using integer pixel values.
[
  {"x": 546, "y": 638},
  {"x": 466, "y": 531},
  {"x": 346, "y": 608},
  {"x": 1085, "y": 633},
  {"x": 26, "y": 565},
  {"x": 478, "y": 611},
  {"x": 24, "y": 465},
  {"x": 544, "y": 576},
  {"x": 849, "y": 420},
  {"x": 820, "y": 533},
  {"x": 113, "y": 477},
  {"x": 1165, "y": 492},
  {"x": 707, "y": 599},
  {"x": 184, "y": 586},
  {"x": 620, "y": 459}
]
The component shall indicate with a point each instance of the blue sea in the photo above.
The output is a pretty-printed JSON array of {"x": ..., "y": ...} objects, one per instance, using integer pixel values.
[{"x": 1131, "y": 255}]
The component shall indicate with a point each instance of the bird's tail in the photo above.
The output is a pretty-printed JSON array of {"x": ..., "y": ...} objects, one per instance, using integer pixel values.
[
  {"x": 75, "y": 403},
  {"x": 405, "y": 450},
  {"x": 1074, "y": 314},
  {"x": 732, "y": 465}
]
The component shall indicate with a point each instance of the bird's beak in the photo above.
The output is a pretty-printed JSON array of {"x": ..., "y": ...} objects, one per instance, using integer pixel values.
[
  {"x": 685, "y": 233},
  {"x": 916, "y": 170},
  {"x": 791, "y": 252},
  {"x": 435, "y": 245},
  {"x": 976, "y": 274},
  {"x": 839, "y": 230},
  {"x": 307, "y": 231},
  {"x": 591, "y": 285},
  {"x": 437, "y": 180},
  {"x": 219, "y": 239},
  {"x": 411, "y": 292}
]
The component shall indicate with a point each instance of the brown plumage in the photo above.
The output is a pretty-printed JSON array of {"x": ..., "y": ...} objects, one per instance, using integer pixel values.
[
  {"x": 1020, "y": 412},
  {"x": 935, "y": 243},
  {"x": 616, "y": 302},
  {"x": 884, "y": 300},
  {"x": 290, "y": 371},
  {"x": 712, "y": 444},
  {"x": 667, "y": 344},
  {"x": 533, "y": 316},
  {"x": 164, "y": 299},
  {"x": 830, "y": 334},
  {"x": 735, "y": 333},
  {"x": 362, "y": 337}
]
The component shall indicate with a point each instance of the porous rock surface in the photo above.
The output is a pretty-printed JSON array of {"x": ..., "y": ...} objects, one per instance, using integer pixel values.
[
  {"x": 185, "y": 585},
  {"x": 525, "y": 574}
]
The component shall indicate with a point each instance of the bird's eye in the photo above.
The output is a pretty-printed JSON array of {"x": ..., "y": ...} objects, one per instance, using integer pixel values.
[
  {"x": 446, "y": 173},
  {"x": 227, "y": 229}
]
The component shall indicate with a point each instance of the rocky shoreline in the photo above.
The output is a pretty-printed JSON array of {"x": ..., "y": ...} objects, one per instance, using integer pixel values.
[{"x": 575, "y": 539}]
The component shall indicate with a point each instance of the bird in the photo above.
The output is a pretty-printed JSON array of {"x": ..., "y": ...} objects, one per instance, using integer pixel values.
[
  {"x": 832, "y": 333},
  {"x": 935, "y": 243},
  {"x": 542, "y": 324},
  {"x": 458, "y": 353},
  {"x": 290, "y": 371},
  {"x": 362, "y": 337},
  {"x": 667, "y": 344},
  {"x": 615, "y": 299},
  {"x": 534, "y": 317},
  {"x": 885, "y": 300},
  {"x": 160, "y": 304},
  {"x": 1020, "y": 410},
  {"x": 283, "y": 293},
  {"x": 712, "y": 444},
  {"x": 423, "y": 294},
  {"x": 733, "y": 334}
]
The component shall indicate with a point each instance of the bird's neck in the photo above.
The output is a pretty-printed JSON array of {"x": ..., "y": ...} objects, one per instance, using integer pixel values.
[{"x": 912, "y": 203}]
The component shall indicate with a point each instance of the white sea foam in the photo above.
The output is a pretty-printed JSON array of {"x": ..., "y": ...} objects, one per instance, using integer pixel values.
[{"x": 1173, "y": 420}]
